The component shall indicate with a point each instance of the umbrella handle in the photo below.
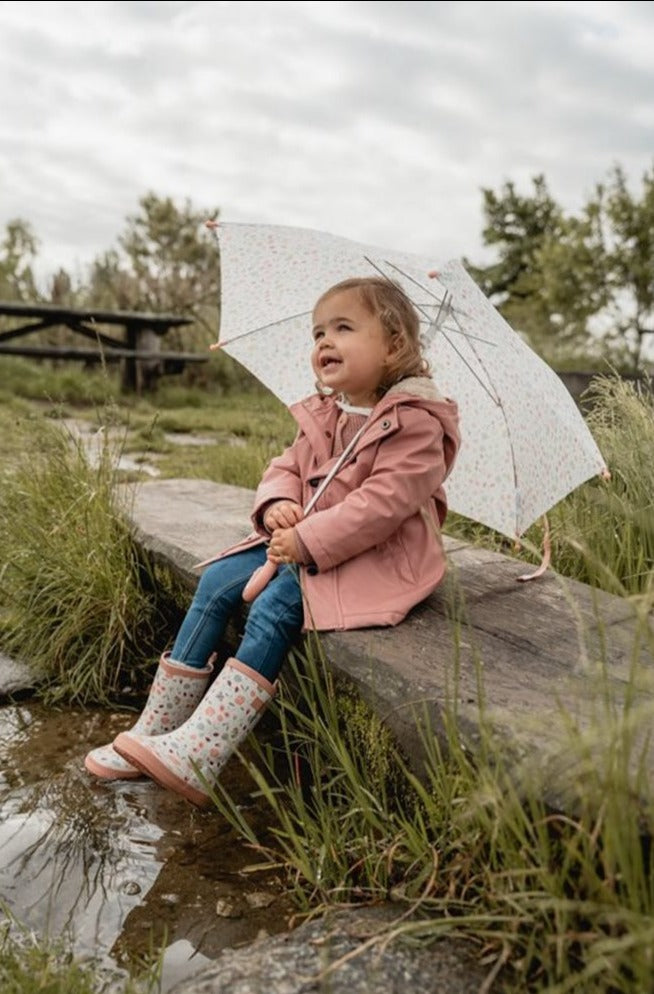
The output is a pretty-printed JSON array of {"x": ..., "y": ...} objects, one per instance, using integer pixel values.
[{"x": 258, "y": 581}]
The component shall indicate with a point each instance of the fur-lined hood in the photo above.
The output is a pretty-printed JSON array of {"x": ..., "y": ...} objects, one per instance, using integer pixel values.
[{"x": 419, "y": 386}]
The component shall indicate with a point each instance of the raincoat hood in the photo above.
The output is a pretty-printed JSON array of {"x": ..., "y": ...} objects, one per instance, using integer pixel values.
[{"x": 422, "y": 391}]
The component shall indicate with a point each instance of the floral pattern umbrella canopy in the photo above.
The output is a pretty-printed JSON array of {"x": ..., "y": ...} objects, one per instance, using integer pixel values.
[{"x": 524, "y": 443}]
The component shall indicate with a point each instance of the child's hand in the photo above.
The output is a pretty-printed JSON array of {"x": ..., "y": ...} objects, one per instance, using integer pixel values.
[
  {"x": 282, "y": 514},
  {"x": 283, "y": 547}
]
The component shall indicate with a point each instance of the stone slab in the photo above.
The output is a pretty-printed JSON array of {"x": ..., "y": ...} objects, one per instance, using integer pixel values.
[{"x": 338, "y": 954}]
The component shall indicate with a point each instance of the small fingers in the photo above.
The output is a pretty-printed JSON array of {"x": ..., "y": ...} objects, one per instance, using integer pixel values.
[
  {"x": 284, "y": 516},
  {"x": 278, "y": 517},
  {"x": 298, "y": 514}
]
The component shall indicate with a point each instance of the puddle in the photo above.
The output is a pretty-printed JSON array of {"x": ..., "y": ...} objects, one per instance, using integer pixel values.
[
  {"x": 94, "y": 441},
  {"x": 120, "y": 869},
  {"x": 184, "y": 438}
]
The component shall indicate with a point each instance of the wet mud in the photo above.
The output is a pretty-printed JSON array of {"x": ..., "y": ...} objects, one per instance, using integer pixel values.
[{"x": 122, "y": 870}]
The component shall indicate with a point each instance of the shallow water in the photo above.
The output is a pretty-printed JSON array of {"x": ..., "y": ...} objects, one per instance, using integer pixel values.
[{"x": 121, "y": 869}]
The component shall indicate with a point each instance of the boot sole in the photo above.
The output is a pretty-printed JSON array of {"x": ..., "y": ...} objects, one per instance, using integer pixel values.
[
  {"x": 107, "y": 773},
  {"x": 150, "y": 764}
]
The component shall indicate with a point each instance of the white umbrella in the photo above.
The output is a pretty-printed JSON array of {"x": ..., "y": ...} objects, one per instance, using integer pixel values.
[{"x": 524, "y": 443}]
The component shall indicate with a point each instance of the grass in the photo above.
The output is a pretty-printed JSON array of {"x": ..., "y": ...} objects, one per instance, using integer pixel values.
[
  {"x": 603, "y": 533},
  {"x": 78, "y": 600},
  {"x": 556, "y": 901},
  {"x": 80, "y": 604},
  {"x": 29, "y": 965}
]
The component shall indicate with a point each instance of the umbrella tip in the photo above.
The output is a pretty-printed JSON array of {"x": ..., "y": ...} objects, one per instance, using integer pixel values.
[
  {"x": 433, "y": 274},
  {"x": 215, "y": 346}
]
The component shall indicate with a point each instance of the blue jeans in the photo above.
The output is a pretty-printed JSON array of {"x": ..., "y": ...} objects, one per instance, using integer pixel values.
[{"x": 273, "y": 622}]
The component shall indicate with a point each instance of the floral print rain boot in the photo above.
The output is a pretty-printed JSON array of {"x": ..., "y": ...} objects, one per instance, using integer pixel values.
[
  {"x": 176, "y": 691},
  {"x": 204, "y": 743}
]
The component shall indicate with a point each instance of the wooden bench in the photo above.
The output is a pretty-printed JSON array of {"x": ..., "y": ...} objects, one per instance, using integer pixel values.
[{"x": 143, "y": 360}]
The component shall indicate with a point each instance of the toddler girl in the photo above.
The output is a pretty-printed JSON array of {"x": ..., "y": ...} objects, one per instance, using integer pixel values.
[{"x": 368, "y": 552}]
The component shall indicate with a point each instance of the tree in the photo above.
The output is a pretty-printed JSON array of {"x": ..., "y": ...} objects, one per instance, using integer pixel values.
[
  {"x": 165, "y": 261},
  {"x": 17, "y": 253},
  {"x": 630, "y": 260},
  {"x": 518, "y": 227},
  {"x": 572, "y": 265},
  {"x": 574, "y": 285}
]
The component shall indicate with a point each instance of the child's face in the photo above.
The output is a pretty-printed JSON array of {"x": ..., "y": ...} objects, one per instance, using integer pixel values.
[{"x": 351, "y": 348}]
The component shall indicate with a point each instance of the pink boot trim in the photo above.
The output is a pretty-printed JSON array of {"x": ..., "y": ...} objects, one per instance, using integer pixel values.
[{"x": 147, "y": 762}]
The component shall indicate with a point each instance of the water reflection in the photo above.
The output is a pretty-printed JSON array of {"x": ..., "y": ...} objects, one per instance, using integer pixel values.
[{"x": 120, "y": 868}]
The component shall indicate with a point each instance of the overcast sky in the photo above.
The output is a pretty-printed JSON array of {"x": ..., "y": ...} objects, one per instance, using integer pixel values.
[{"x": 377, "y": 121}]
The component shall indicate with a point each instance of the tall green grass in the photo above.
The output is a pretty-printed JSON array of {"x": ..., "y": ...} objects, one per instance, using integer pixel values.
[
  {"x": 603, "y": 533},
  {"x": 78, "y": 601},
  {"x": 559, "y": 901}
]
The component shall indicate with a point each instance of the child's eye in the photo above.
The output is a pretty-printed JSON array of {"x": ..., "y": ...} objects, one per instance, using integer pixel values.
[{"x": 317, "y": 334}]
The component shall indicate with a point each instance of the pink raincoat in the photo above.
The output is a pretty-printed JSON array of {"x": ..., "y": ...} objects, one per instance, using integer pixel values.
[{"x": 374, "y": 535}]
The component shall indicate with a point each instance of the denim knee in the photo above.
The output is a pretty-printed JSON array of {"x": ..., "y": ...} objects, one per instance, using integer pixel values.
[
  {"x": 217, "y": 597},
  {"x": 274, "y": 622}
]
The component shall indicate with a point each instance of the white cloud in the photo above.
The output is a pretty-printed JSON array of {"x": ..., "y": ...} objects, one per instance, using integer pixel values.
[{"x": 377, "y": 121}]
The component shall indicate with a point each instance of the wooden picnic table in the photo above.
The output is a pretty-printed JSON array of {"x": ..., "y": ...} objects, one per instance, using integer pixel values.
[{"x": 143, "y": 360}]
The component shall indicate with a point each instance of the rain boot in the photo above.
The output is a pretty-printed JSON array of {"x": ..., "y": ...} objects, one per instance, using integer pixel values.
[
  {"x": 204, "y": 743},
  {"x": 176, "y": 691}
]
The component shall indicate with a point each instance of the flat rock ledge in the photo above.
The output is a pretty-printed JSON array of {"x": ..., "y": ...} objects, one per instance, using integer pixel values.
[{"x": 338, "y": 953}]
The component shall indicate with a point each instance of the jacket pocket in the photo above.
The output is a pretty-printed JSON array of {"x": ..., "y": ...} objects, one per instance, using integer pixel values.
[{"x": 395, "y": 558}]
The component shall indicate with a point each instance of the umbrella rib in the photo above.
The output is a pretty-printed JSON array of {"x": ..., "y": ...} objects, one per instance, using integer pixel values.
[
  {"x": 491, "y": 393},
  {"x": 385, "y": 276},
  {"x": 264, "y": 327},
  {"x": 498, "y": 402},
  {"x": 457, "y": 331},
  {"x": 430, "y": 292}
]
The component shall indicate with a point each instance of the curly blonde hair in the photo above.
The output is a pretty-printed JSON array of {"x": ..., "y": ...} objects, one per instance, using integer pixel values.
[{"x": 398, "y": 317}]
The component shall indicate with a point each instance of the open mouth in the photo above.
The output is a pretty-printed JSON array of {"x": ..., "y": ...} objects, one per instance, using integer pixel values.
[{"x": 329, "y": 362}]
